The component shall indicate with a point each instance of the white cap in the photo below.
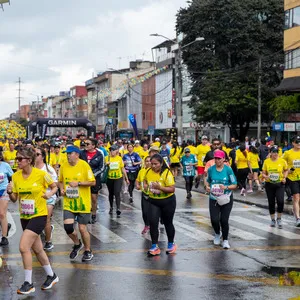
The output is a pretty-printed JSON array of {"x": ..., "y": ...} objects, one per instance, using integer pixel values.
[
  {"x": 157, "y": 139},
  {"x": 137, "y": 142}
]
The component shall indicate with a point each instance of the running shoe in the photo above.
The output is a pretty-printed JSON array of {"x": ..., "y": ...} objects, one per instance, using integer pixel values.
[
  {"x": 87, "y": 256},
  {"x": 111, "y": 211},
  {"x": 146, "y": 229},
  {"x": 172, "y": 247},
  {"x": 243, "y": 192},
  {"x": 4, "y": 241},
  {"x": 217, "y": 239},
  {"x": 130, "y": 200},
  {"x": 226, "y": 244},
  {"x": 50, "y": 281},
  {"x": 298, "y": 223},
  {"x": 26, "y": 288},
  {"x": 197, "y": 184},
  {"x": 76, "y": 248},
  {"x": 273, "y": 223},
  {"x": 48, "y": 246},
  {"x": 279, "y": 223},
  {"x": 118, "y": 212},
  {"x": 154, "y": 250},
  {"x": 250, "y": 191}
]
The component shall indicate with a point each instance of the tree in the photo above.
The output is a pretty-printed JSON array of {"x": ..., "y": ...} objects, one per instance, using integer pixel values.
[
  {"x": 23, "y": 122},
  {"x": 224, "y": 68}
]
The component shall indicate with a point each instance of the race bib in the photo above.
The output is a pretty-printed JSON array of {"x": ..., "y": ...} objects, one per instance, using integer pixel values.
[
  {"x": 72, "y": 192},
  {"x": 216, "y": 190},
  {"x": 27, "y": 207},
  {"x": 114, "y": 165},
  {"x": 296, "y": 163},
  {"x": 274, "y": 177},
  {"x": 152, "y": 190},
  {"x": 2, "y": 177},
  {"x": 128, "y": 163},
  {"x": 189, "y": 168}
]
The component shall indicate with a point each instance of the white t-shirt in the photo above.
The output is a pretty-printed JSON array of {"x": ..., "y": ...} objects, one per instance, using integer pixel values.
[{"x": 53, "y": 175}]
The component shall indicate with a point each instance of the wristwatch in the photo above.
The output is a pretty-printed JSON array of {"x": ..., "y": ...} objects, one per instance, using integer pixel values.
[{"x": 79, "y": 183}]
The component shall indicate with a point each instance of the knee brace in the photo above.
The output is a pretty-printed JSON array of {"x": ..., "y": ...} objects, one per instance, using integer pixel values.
[{"x": 69, "y": 228}]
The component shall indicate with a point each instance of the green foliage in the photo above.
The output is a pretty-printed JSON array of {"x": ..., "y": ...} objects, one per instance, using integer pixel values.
[
  {"x": 284, "y": 104},
  {"x": 224, "y": 67}
]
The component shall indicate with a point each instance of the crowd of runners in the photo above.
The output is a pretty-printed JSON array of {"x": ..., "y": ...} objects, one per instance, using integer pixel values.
[{"x": 38, "y": 173}]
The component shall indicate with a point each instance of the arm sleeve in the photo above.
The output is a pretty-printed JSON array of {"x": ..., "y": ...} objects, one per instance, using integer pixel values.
[{"x": 232, "y": 178}]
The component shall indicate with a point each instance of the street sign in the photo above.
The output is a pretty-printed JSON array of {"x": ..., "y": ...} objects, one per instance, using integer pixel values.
[
  {"x": 278, "y": 127},
  {"x": 289, "y": 127},
  {"x": 151, "y": 130}
]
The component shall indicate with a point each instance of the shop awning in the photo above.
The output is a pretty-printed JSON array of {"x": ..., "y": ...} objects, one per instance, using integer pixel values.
[{"x": 291, "y": 84}]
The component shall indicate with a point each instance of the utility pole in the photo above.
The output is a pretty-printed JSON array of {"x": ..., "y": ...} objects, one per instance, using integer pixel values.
[
  {"x": 19, "y": 97},
  {"x": 179, "y": 111},
  {"x": 259, "y": 101}
]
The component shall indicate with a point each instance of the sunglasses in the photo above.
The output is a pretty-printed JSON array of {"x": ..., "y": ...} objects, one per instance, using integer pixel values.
[{"x": 21, "y": 158}]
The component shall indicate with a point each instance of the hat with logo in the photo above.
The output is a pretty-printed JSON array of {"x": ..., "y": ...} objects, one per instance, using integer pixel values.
[
  {"x": 274, "y": 149},
  {"x": 137, "y": 142},
  {"x": 71, "y": 149},
  {"x": 187, "y": 150},
  {"x": 219, "y": 154}
]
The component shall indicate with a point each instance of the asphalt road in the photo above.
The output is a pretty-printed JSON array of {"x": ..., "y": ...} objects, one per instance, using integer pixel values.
[{"x": 122, "y": 270}]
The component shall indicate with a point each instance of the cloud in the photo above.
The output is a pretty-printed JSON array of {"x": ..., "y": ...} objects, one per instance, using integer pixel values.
[{"x": 54, "y": 47}]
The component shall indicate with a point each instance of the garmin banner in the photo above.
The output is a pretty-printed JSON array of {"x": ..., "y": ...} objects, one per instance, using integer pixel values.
[
  {"x": 132, "y": 120},
  {"x": 39, "y": 127}
]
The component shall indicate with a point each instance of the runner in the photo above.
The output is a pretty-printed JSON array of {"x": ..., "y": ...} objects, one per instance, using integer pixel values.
[
  {"x": 10, "y": 156},
  {"x": 165, "y": 152},
  {"x": 145, "y": 195},
  {"x": 115, "y": 178},
  {"x": 29, "y": 186},
  {"x": 275, "y": 171},
  {"x": 40, "y": 163},
  {"x": 188, "y": 163},
  {"x": 5, "y": 176},
  {"x": 75, "y": 180},
  {"x": 95, "y": 159},
  {"x": 175, "y": 159},
  {"x": 160, "y": 182},
  {"x": 219, "y": 183}
]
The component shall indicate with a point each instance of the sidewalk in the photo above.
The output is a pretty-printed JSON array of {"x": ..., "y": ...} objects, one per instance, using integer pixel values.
[{"x": 256, "y": 198}]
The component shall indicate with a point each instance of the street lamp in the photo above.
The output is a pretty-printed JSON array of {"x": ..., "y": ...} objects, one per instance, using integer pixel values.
[{"x": 177, "y": 48}]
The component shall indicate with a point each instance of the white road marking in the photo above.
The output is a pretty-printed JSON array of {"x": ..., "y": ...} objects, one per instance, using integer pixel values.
[
  {"x": 266, "y": 228},
  {"x": 59, "y": 236},
  {"x": 105, "y": 235}
]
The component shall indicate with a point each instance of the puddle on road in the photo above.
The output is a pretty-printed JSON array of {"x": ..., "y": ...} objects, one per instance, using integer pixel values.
[{"x": 288, "y": 276}]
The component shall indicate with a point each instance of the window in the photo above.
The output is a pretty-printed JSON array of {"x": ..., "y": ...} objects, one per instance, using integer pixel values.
[
  {"x": 292, "y": 59},
  {"x": 292, "y": 17}
]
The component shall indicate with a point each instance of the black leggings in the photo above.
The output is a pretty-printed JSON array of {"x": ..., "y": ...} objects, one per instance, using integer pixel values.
[
  {"x": 114, "y": 189},
  {"x": 275, "y": 192},
  {"x": 188, "y": 183},
  {"x": 164, "y": 208},
  {"x": 132, "y": 177},
  {"x": 220, "y": 214},
  {"x": 145, "y": 209},
  {"x": 242, "y": 177}
]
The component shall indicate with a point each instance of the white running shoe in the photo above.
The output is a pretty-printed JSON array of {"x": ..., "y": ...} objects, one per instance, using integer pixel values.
[
  {"x": 226, "y": 244},
  {"x": 217, "y": 239}
]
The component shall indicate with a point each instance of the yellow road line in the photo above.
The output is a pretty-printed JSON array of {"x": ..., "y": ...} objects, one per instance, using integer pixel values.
[
  {"x": 204, "y": 249},
  {"x": 137, "y": 271}
]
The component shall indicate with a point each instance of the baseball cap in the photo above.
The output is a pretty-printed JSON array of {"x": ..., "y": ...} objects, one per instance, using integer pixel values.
[
  {"x": 274, "y": 149},
  {"x": 219, "y": 154},
  {"x": 164, "y": 142},
  {"x": 187, "y": 150},
  {"x": 204, "y": 137},
  {"x": 137, "y": 142},
  {"x": 154, "y": 148},
  {"x": 71, "y": 149},
  {"x": 157, "y": 139},
  {"x": 114, "y": 148},
  {"x": 296, "y": 139}
]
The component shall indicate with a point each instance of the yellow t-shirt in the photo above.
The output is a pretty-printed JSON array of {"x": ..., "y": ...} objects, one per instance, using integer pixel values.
[
  {"x": 175, "y": 158},
  {"x": 275, "y": 169},
  {"x": 143, "y": 154},
  {"x": 253, "y": 158},
  {"x": 157, "y": 144},
  {"x": 123, "y": 152},
  {"x": 50, "y": 160},
  {"x": 77, "y": 199},
  {"x": 115, "y": 167},
  {"x": 140, "y": 178},
  {"x": 192, "y": 149},
  {"x": 138, "y": 150},
  {"x": 30, "y": 191},
  {"x": 10, "y": 158},
  {"x": 165, "y": 179},
  {"x": 293, "y": 161},
  {"x": 241, "y": 160},
  {"x": 201, "y": 152}
]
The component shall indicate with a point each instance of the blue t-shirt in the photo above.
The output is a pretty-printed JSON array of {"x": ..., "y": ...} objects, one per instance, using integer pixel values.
[
  {"x": 5, "y": 171},
  {"x": 165, "y": 153},
  {"x": 215, "y": 178},
  {"x": 129, "y": 159},
  {"x": 187, "y": 169},
  {"x": 104, "y": 151}
]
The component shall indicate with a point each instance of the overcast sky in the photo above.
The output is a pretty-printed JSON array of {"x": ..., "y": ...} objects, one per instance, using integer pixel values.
[{"x": 54, "y": 45}]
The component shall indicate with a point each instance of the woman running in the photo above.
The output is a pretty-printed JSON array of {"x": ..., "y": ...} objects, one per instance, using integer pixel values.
[
  {"x": 145, "y": 195},
  {"x": 160, "y": 182},
  {"x": 5, "y": 175},
  {"x": 175, "y": 159},
  {"x": 254, "y": 162},
  {"x": 40, "y": 163},
  {"x": 220, "y": 183},
  {"x": 275, "y": 172},
  {"x": 29, "y": 187}
]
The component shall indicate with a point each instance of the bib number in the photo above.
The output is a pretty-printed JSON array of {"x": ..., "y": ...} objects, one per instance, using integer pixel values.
[
  {"x": 27, "y": 207},
  {"x": 72, "y": 192},
  {"x": 216, "y": 190},
  {"x": 114, "y": 165},
  {"x": 296, "y": 163},
  {"x": 154, "y": 191},
  {"x": 189, "y": 168},
  {"x": 274, "y": 177}
]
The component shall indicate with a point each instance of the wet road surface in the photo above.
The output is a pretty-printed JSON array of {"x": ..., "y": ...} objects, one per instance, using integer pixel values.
[{"x": 122, "y": 270}]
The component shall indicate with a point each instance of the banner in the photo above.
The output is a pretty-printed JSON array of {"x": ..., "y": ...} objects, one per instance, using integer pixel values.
[{"x": 132, "y": 120}]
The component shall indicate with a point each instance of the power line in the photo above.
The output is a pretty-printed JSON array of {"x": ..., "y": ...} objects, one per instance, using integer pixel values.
[{"x": 164, "y": 88}]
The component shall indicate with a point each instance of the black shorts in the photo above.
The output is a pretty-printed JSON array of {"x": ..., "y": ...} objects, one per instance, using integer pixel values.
[
  {"x": 96, "y": 188},
  {"x": 37, "y": 224},
  {"x": 294, "y": 186},
  {"x": 175, "y": 165}
]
